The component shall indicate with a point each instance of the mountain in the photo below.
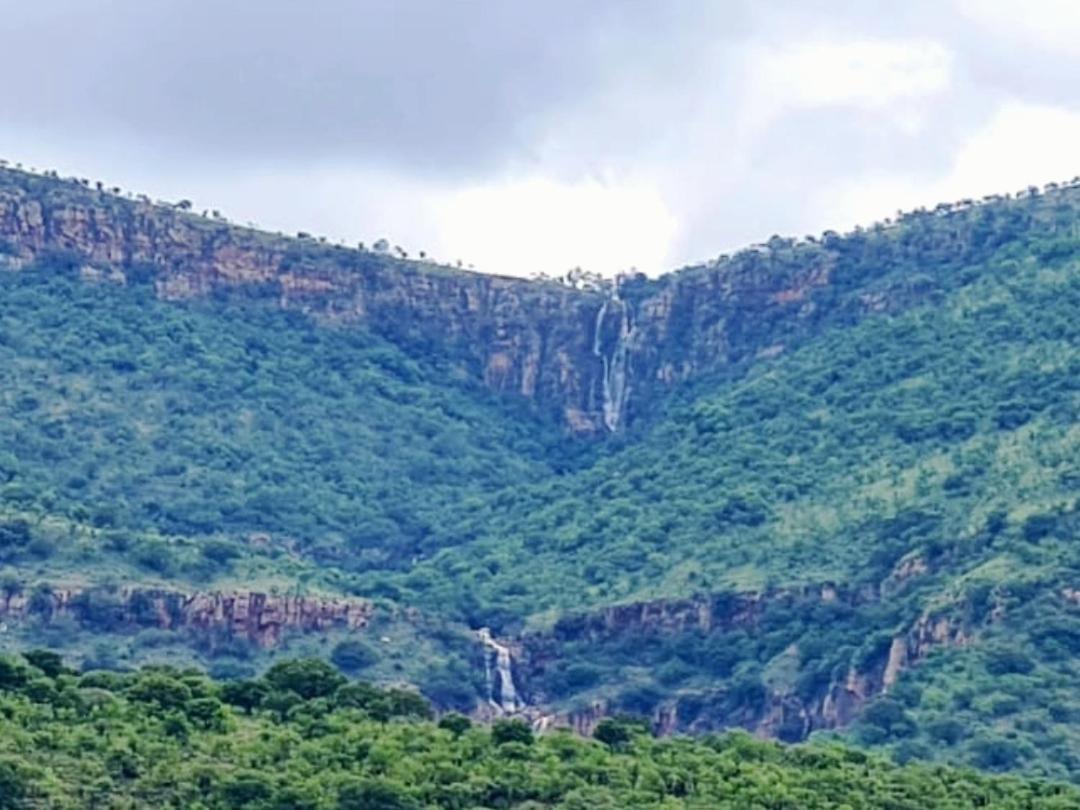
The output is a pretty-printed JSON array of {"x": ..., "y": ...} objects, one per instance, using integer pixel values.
[{"x": 824, "y": 486}]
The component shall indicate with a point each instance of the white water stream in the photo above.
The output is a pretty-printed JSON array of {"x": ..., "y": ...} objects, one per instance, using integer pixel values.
[
  {"x": 498, "y": 665},
  {"x": 614, "y": 386}
]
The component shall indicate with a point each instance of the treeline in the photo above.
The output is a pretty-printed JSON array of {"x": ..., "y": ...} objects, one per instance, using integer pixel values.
[{"x": 303, "y": 737}]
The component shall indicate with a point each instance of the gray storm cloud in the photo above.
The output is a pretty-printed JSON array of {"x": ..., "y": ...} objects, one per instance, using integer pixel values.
[{"x": 433, "y": 86}]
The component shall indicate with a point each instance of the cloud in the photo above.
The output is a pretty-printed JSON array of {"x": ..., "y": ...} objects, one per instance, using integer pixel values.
[
  {"x": 539, "y": 136},
  {"x": 533, "y": 225},
  {"x": 432, "y": 87},
  {"x": 873, "y": 74},
  {"x": 1053, "y": 24},
  {"x": 1022, "y": 145}
]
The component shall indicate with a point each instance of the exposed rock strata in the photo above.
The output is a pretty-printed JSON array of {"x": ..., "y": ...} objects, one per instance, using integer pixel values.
[
  {"x": 595, "y": 359},
  {"x": 783, "y": 713},
  {"x": 258, "y": 617}
]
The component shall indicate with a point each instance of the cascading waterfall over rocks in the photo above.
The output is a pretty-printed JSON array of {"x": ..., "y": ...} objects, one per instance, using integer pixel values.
[
  {"x": 614, "y": 385},
  {"x": 498, "y": 667}
]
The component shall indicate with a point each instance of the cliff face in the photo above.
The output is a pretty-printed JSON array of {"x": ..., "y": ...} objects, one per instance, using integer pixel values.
[
  {"x": 594, "y": 358},
  {"x": 257, "y": 617},
  {"x": 779, "y": 711}
]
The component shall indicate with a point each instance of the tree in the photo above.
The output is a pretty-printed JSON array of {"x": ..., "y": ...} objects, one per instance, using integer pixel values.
[
  {"x": 307, "y": 677},
  {"x": 14, "y": 785},
  {"x": 52, "y": 664},
  {"x": 352, "y": 656},
  {"x": 375, "y": 794},
  {"x": 612, "y": 732},
  {"x": 245, "y": 694},
  {"x": 511, "y": 731},
  {"x": 456, "y": 724}
]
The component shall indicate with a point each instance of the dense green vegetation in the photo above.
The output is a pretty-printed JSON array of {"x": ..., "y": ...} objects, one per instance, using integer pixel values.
[
  {"x": 928, "y": 458},
  {"x": 948, "y": 430},
  {"x": 189, "y": 443},
  {"x": 1008, "y": 702},
  {"x": 305, "y": 737},
  {"x": 911, "y": 440}
]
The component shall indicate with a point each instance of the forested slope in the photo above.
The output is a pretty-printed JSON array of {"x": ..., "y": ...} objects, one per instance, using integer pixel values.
[
  {"x": 303, "y": 738},
  {"x": 834, "y": 486}
]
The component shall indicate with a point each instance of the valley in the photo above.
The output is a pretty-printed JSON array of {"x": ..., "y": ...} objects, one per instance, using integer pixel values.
[{"x": 822, "y": 487}]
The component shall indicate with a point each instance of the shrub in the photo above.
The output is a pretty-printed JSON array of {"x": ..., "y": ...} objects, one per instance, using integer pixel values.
[
  {"x": 511, "y": 731},
  {"x": 352, "y": 656},
  {"x": 1008, "y": 661},
  {"x": 375, "y": 794},
  {"x": 456, "y": 724},
  {"x": 307, "y": 677}
]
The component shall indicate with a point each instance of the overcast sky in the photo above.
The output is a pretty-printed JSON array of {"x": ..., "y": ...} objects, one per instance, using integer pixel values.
[{"x": 527, "y": 136}]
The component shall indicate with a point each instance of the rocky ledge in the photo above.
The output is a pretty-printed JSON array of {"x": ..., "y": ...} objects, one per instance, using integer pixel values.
[{"x": 263, "y": 619}]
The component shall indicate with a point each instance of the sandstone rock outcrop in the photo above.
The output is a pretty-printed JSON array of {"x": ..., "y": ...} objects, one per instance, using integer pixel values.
[
  {"x": 594, "y": 358},
  {"x": 782, "y": 711},
  {"x": 260, "y": 618}
]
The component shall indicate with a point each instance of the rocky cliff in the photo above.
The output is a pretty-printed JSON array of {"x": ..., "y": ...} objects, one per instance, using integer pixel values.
[
  {"x": 595, "y": 357},
  {"x": 260, "y": 618},
  {"x": 779, "y": 709}
]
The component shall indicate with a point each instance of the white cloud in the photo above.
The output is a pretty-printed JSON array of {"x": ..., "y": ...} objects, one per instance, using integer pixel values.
[
  {"x": 883, "y": 76},
  {"x": 1022, "y": 145},
  {"x": 1051, "y": 24},
  {"x": 536, "y": 225}
]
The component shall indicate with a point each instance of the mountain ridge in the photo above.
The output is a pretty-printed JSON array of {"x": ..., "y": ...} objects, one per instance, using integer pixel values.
[
  {"x": 589, "y": 355},
  {"x": 886, "y": 416}
]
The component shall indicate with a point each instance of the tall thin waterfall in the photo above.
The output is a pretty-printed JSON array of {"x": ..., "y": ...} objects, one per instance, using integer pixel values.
[
  {"x": 615, "y": 388},
  {"x": 498, "y": 666}
]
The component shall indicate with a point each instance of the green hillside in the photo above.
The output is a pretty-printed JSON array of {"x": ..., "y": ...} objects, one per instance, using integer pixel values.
[
  {"x": 948, "y": 431},
  {"x": 903, "y": 439},
  {"x": 304, "y": 738},
  {"x": 941, "y": 442},
  {"x": 145, "y": 439}
]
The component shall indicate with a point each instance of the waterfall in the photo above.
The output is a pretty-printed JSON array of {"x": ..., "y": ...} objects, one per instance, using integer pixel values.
[
  {"x": 498, "y": 667},
  {"x": 615, "y": 388}
]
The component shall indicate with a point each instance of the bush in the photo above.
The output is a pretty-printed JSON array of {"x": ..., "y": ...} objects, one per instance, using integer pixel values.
[
  {"x": 613, "y": 733},
  {"x": 352, "y": 656},
  {"x": 14, "y": 785},
  {"x": 375, "y": 794},
  {"x": 1008, "y": 661},
  {"x": 456, "y": 724},
  {"x": 307, "y": 677},
  {"x": 245, "y": 694},
  {"x": 511, "y": 731}
]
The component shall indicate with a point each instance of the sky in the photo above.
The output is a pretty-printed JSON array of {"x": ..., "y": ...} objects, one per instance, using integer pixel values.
[{"x": 524, "y": 137}]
